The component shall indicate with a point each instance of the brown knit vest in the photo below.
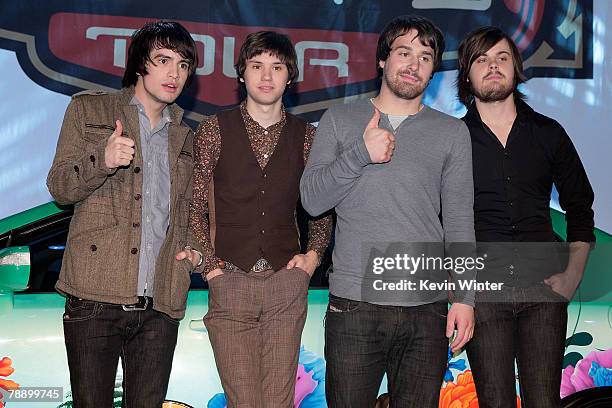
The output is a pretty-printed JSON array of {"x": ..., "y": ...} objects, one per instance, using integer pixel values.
[{"x": 255, "y": 207}]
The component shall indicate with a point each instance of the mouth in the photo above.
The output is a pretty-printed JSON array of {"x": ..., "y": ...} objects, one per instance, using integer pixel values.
[
  {"x": 408, "y": 77},
  {"x": 170, "y": 87},
  {"x": 493, "y": 77},
  {"x": 266, "y": 88}
]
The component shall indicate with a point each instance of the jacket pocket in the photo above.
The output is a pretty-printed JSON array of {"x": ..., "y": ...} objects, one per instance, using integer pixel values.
[{"x": 99, "y": 261}]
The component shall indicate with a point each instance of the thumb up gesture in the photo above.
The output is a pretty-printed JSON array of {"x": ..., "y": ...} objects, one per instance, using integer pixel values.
[
  {"x": 379, "y": 142},
  {"x": 119, "y": 150}
]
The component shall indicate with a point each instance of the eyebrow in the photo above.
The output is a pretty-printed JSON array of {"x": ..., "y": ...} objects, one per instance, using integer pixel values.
[
  {"x": 261, "y": 62},
  {"x": 409, "y": 48},
  {"x": 161, "y": 55}
]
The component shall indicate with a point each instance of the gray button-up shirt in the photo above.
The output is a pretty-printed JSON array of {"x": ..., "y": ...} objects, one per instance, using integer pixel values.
[{"x": 156, "y": 194}]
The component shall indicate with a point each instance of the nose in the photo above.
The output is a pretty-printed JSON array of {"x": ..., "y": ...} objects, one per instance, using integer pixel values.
[
  {"x": 173, "y": 71},
  {"x": 266, "y": 73},
  {"x": 493, "y": 64}
]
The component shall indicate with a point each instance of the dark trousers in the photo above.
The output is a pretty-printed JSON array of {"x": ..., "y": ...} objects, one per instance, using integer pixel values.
[
  {"x": 255, "y": 322},
  {"x": 529, "y": 326},
  {"x": 363, "y": 341},
  {"x": 97, "y": 334}
]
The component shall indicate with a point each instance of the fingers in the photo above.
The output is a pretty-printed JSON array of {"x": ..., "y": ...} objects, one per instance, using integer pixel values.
[
  {"x": 450, "y": 324},
  {"x": 373, "y": 123},
  {"x": 181, "y": 255},
  {"x": 119, "y": 150},
  {"x": 292, "y": 263},
  {"x": 118, "y": 127}
]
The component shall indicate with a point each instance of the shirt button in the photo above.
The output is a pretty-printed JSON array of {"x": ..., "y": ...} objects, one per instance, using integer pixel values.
[
  {"x": 513, "y": 227},
  {"x": 134, "y": 251},
  {"x": 508, "y": 179},
  {"x": 137, "y": 197},
  {"x": 266, "y": 132},
  {"x": 93, "y": 248},
  {"x": 136, "y": 170},
  {"x": 511, "y": 266},
  {"x": 149, "y": 164},
  {"x": 510, "y": 203},
  {"x": 148, "y": 219}
]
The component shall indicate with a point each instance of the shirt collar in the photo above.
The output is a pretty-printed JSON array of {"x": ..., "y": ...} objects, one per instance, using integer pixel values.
[
  {"x": 523, "y": 112},
  {"x": 166, "y": 116},
  {"x": 248, "y": 119}
]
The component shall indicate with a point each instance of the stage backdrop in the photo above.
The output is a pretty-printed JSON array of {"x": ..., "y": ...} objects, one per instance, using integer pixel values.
[{"x": 52, "y": 49}]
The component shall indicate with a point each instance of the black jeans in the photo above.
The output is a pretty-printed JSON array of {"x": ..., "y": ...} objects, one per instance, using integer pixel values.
[
  {"x": 529, "y": 325},
  {"x": 97, "y": 334},
  {"x": 363, "y": 341}
]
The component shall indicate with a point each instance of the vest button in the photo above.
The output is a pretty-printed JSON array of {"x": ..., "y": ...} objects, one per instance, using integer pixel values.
[
  {"x": 93, "y": 248},
  {"x": 262, "y": 232},
  {"x": 262, "y": 192},
  {"x": 263, "y": 213},
  {"x": 134, "y": 251},
  {"x": 265, "y": 175}
]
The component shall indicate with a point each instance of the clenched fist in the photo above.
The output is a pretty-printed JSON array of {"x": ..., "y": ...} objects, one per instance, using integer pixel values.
[
  {"x": 379, "y": 142},
  {"x": 119, "y": 150}
]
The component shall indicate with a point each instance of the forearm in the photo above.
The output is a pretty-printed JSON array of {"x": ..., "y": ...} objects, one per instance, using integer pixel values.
[
  {"x": 319, "y": 234},
  {"x": 78, "y": 167},
  {"x": 578, "y": 256},
  {"x": 324, "y": 186}
]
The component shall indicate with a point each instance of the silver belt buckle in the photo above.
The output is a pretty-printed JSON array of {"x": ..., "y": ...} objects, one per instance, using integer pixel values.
[
  {"x": 261, "y": 265},
  {"x": 136, "y": 306}
]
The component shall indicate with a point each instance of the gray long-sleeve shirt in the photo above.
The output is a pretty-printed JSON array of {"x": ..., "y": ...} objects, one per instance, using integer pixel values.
[
  {"x": 429, "y": 175},
  {"x": 156, "y": 191}
]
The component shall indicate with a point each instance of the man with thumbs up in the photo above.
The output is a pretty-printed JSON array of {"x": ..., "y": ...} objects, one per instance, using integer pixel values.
[
  {"x": 124, "y": 160},
  {"x": 397, "y": 172}
]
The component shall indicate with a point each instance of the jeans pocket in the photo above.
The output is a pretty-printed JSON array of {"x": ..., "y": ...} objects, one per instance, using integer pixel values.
[
  {"x": 550, "y": 292},
  {"x": 341, "y": 305},
  {"x": 437, "y": 309},
  {"x": 170, "y": 319},
  {"x": 79, "y": 310}
]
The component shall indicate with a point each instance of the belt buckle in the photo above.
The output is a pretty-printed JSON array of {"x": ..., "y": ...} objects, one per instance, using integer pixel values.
[
  {"x": 261, "y": 265},
  {"x": 136, "y": 306}
]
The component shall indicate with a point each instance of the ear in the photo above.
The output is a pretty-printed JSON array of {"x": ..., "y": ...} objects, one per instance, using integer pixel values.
[
  {"x": 241, "y": 80},
  {"x": 381, "y": 64},
  {"x": 288, "y": 82}
]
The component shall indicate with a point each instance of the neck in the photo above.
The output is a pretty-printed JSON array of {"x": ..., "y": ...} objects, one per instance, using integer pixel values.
[
  {"x": 498, "y": 111},
  {"x": 391, "y": 104},
  {"x": 266, "y": 115},
  {"x": 153, "y": 108}
]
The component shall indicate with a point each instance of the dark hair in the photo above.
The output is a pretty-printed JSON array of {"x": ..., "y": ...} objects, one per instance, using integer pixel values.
[
  {"x": 476, "y": 44},
  {"x": 428, "y": 34},
  {"x": 271, "y": 42},
  {"x": 153, "y": 36}
]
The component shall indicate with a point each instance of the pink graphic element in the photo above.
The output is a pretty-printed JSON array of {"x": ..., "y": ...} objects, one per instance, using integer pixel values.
[
  {"x": 304, "y": 385},
  {"x": 574, "y": 379},
  {"x": 528, "y": 27},
  {"x": 513, "y": 5}
]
